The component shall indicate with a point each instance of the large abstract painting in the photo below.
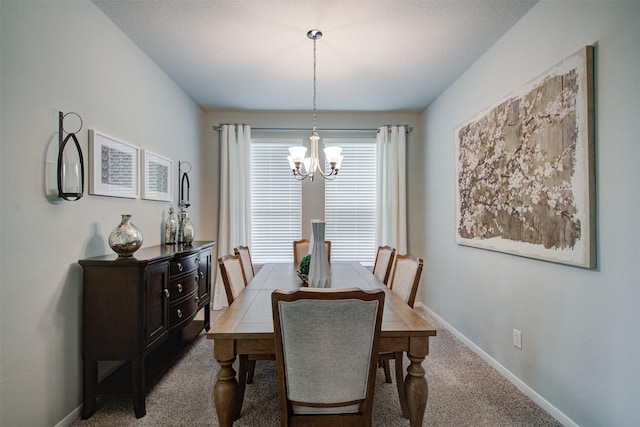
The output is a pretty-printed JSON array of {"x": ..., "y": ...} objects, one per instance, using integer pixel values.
[{"x": 525, "y": 169}]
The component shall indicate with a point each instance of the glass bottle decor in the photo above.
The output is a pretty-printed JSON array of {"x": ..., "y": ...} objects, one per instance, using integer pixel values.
[
  {"x": 125, "y": 239},
  {"x": 170, "y": 229},
  {"x": 187, "y": 231},
  {"x": 319, "y": 270}
]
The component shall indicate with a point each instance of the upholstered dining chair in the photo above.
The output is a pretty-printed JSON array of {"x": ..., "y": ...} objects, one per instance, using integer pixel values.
[
  {"x": 383, "y": 263},
  {"x": 326, "y": 351},
  {"x": 245, "y": 259},
  {"x": 301, "y": 248},
  {"x": 404, "y": 283}
]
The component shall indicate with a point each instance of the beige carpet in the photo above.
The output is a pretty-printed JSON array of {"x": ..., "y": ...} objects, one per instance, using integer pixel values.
[{"x": 463, "y": 391}]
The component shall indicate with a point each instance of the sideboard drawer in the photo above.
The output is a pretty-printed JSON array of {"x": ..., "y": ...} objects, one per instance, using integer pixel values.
[
  {"x": 184, "y": 264},
  {"x": 182, "y": 286},
  {"x": 183, "y": 311}
]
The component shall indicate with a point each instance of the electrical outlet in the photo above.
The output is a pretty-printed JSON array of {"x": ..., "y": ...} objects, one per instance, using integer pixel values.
[{"x": 517, "y": 339}]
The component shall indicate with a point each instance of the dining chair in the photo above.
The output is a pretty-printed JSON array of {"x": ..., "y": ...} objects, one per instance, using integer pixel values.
[
  {"x": 404, "y": 283},
  {"x": 326, "y": 344},
  {"x": 234, "y": 283},
  {"x": 301, "y": 248},
  {"x": 383, "y": 263},
  {"x": 232, "y": 276},
  {"x": 245, "y": 259}
]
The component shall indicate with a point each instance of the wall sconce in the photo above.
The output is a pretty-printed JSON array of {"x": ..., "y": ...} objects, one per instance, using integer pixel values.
[
  {"x": 70, "y": 162},
  {"x": 183, "y": 182}
]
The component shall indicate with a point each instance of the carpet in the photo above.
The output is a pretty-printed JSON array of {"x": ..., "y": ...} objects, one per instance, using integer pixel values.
[{"x": 463, "y": 391}]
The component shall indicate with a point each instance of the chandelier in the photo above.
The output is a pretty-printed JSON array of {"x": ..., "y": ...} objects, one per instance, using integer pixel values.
[{"x": 297, "y": 157}]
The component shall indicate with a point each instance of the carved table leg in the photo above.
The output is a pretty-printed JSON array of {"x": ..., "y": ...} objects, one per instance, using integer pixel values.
[
  {"x": 415, "y": 384},
  {"x": 225, "y": 392}
]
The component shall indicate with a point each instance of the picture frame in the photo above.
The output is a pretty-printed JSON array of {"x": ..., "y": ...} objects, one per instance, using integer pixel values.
[
  {"x": 113, "y": 166},
  {"x": 525, "y": 169},
  {"x": 157, "y": 177}
]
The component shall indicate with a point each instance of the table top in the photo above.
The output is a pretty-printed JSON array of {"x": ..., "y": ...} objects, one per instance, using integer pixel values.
[{"x": 250, "y": 317}]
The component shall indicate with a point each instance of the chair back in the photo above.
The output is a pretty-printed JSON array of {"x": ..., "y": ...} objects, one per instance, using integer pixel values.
[
  {"x": 245, "y": 259},
  {"x": 327, "y": 344},
  {"x": 406, "y": 277},
  {"x": 232, "y": 276},
  {"x": 301, "y": 248},
  {"x": 384, "y": 262}
]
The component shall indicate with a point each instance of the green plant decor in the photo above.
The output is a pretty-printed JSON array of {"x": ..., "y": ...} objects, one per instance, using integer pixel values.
[{"x": 304, "y": 264}]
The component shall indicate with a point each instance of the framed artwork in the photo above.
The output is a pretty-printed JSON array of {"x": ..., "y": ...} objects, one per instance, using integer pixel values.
[
  {"x": 113, "y": 166},
  {"x": 157, "y": 173},
  {"x": 525, "y": 171}
]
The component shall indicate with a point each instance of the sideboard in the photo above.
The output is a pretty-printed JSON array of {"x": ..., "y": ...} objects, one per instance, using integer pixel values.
[{"x": 140, "y": 310}]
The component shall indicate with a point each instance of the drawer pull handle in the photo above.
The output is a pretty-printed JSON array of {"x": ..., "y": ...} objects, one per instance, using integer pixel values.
[
  {"x": 166, "y": 293},
  {"x": 197, "y": 300},
  {"x": 179, "y": 287},
  {"x": 198, "y": 260},
  {"x": 180, "y": 267},
  {"x": 201, "y": 275},
  {"x": 179, "y": 314},
  {"x": 197, "y": 278}
]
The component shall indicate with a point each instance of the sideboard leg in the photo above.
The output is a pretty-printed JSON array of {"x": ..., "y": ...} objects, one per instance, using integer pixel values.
[
  {"x": 138, "y": 388},
  {"x": 89, "y": 385}
]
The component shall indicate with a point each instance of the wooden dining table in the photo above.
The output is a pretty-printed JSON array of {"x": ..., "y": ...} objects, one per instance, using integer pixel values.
[{"x": 246, "y": 327}]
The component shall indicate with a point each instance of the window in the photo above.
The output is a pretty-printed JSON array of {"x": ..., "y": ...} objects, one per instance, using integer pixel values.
[
  {"x": 350, "y": 202},
  {"x": 276, "y": 207},
  {"x": 277, "y": 198}
]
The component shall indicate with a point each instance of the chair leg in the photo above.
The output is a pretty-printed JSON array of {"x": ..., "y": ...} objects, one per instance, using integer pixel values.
[
  {"x": 387, "y": 370},
  {"x": 252, "y": 368},
  {"x": 400, "y": 383}
]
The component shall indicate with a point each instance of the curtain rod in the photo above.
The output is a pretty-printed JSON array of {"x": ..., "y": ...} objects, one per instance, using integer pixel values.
[{"x": 408, "y": 129}]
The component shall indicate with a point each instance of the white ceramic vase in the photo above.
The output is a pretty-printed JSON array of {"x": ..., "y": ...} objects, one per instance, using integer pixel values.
[{"x": 319, "y": 270}]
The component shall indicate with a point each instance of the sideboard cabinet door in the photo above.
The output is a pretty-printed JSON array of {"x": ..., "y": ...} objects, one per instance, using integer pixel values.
[{"x": 156, "y": 303}]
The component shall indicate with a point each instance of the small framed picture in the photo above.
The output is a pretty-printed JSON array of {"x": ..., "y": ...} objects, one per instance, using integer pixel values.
[
  {"x": 113, "y": 166},
  {"x": 157, "y": 175}
]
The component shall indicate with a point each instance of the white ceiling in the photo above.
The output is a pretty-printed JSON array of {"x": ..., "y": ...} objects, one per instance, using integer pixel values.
[{"x": 375, "y": 55}]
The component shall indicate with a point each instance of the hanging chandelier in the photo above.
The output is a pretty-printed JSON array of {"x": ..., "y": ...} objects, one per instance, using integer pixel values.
[{"x": 297, "y": 157}]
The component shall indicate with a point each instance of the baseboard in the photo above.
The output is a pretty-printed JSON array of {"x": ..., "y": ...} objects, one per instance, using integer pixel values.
[
  {"x": 71, "y": 418},
  {"x": 524, "y": 388}
]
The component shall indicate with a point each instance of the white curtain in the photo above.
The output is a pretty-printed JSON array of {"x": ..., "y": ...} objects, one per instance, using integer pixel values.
[
  {"x": 391, "y": 221},
  {"x": 234, "y": 228}
]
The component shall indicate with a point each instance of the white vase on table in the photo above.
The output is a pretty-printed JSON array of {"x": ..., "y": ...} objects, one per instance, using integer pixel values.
[{"x": 319, "y": 270}]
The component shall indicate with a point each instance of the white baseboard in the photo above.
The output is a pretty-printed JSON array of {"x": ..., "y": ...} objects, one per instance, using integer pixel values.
[
  {"x": 524, "y": 388},
  {"x": 71, "y": 418}
]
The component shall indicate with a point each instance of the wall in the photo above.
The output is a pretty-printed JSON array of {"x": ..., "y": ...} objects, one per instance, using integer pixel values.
[
  {"x": 580, "y": 328},
  {"x": 67, "y": 56}
]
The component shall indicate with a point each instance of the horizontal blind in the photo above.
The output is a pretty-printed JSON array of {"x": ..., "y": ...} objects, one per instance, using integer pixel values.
[
  {"x": 350, "y": 202},
  {"x": 276, "y": 207}
]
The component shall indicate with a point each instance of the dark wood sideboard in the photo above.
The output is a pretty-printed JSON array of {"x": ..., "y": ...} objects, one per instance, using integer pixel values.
[{"x": 141, "y": 311}]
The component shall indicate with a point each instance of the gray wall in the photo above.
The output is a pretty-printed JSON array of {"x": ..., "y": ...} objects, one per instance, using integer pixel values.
[
  {"x": 66, "y": 55},
  {"x": 580, "y": 328}
]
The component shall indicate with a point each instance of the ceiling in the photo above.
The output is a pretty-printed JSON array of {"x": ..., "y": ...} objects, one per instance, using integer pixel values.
[{"x": 375, "y": 55}]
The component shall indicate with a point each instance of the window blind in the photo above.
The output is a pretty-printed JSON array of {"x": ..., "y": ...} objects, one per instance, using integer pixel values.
[
  {"x": 350, "y": 202},
  {"x": 276, "y": 207}
]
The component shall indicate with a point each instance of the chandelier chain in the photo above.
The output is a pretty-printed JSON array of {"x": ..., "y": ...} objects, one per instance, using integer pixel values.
[{"x": 314, "y": 84}]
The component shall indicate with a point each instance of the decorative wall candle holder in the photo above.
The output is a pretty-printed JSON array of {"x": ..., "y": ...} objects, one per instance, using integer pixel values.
[{"x": 70, "y": 162}]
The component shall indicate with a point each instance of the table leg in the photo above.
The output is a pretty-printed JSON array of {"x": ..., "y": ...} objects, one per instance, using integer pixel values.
[
  {"x": 225, "y": 393},
  {"x": 415, "y": 384}
]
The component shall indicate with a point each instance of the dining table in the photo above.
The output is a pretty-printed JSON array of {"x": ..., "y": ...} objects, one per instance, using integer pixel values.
[{"x": 246, "y": 328}]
